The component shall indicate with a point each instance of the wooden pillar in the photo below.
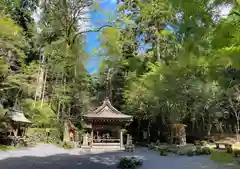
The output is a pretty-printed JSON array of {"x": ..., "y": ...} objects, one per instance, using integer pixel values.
[
  {"x": 121, "y": 138},
  {"x": 91, "y": 141}
]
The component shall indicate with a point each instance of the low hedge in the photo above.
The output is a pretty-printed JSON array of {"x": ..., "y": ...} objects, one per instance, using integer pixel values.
[
  {"x": 129, "y": 163},
  {"x": 36, "y": 135}
]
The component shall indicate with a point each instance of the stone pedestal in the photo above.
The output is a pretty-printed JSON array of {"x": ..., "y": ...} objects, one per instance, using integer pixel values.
[
  {"x": 85, "y": 140},
  {"x": 129, "y": 139},
  {"x": 129, "y": 146}
]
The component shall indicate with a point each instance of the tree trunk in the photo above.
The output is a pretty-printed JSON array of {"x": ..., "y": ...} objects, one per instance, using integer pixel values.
[
  {"x": 40, "y": 78},
  {"x": 148, "y": 130},
  {"x": 209, "y": 129},
  {"x": 238, "y": 129},
  {"x": 44, "y": 86}
]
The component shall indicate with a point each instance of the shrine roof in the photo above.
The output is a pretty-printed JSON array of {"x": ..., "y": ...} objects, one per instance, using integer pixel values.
[
  {"x": 107, "y": 111},
  {"x": 17, "y": 116}
]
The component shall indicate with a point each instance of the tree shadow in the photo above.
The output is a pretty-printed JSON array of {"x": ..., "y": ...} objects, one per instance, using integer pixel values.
[{"x": 64, "y": 161}]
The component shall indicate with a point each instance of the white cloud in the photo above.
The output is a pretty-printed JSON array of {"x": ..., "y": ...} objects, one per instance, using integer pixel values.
[
  {"x": 222, "y": 11},
  {"x": 84, "y": 22}
]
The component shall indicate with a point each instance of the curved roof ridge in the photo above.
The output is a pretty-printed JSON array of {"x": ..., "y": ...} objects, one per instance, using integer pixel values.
[
  {"x": 107, "y": 110},
  {"x": 106, "y": 102}
]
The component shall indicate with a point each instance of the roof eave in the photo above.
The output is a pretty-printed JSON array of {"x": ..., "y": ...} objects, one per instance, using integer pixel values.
[{"x": 109, "y": 118}]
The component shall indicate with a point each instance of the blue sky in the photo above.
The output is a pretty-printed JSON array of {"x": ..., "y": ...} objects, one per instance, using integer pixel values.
[{"x": 98, "y": 18}]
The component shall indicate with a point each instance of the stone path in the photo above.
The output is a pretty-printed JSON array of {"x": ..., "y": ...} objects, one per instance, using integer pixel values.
[{"x": 47, "y": 156}]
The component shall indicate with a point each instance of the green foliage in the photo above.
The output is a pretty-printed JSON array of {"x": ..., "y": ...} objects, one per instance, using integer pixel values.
[
  {"x": 186, "y": 75},
  {"x": 38, "y": 113},
  {"x": 5, "y": 148},
  {"x": 206, "y": 151},
  {"x": 163, "y": 153},
  {"x": 43, "y": 135},
  {"x": 190, "y": 153},
  {"x": 11, "y": 38},
  {"x": 33, "y": 130},
  {"x": 68, "y": 146},
  {"x": 200, "y": 142},
  {"x": 129, "y": 163}
]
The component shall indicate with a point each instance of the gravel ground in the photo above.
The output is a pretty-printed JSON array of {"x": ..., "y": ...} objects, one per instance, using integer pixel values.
[{"x": 47, "y": 156}]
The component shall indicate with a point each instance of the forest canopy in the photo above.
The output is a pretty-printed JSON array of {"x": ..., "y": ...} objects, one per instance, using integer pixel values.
[{"x": 163, "y": 61}]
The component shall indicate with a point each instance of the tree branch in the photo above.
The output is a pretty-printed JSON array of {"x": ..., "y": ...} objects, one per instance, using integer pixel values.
[{"x": 91, "y": 30}]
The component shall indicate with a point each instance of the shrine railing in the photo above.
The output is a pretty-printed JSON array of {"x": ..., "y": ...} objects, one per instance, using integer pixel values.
[{"x": 106, "y": 140}]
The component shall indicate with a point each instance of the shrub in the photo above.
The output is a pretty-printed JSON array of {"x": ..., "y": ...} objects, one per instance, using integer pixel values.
[
  {"x": 200, "y": 143},
  {"x": 198, "y": 152},
  {"x": 196, "y": 142},
  {"x": 203, "y": 143},
  {"x": 206, "y": 151},
  {"x": 181, "y": 153},
  {"x": 236, "y": 153},
  {"x": 155, "y": 148},
  {"x": 158, "y": 142},
  {"x": 129, "y": 163},
  {"x": 67, "y": 146},
  {"x": 151, "y": 146},
  {"x": 35, "y": 135},
  {"x": 163, "y": 153},
  {"x": 5, "y": 147},
  {"x": 190, "y": 153}
]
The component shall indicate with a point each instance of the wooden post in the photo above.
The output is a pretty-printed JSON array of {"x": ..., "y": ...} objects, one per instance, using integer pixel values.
[
  {"x": 91, "y": 140},
  {"x": 121, "y": 138}
]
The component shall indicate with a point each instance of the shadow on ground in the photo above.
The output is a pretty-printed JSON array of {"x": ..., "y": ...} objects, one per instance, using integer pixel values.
[{"x": 63, "y": 161}]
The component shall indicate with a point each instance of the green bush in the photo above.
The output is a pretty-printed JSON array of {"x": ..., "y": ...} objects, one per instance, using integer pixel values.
[
  {"x": 198, "y": 152},
  {"x": 129, "y": 163},
  {"x": 151, "y": 146},
  {"x": 200, "y": 143},
  {"x": 190, "y": 153},
  {"x": 35, "y": 135},
  {"x": 202, "y": 150},
  {"x": 181, "y": 153},
  {"x": 67, "y": 146},
  {"x": 174, "y": 151},
  {"x": 158, "y": 142},
  {"x": 196, "y": 142},
  {"x": 163, "y": 153},
  {"x": 236, "y": 153},
  {"x": 5, "y": 147},
  {"x": 206, "y": 151}
]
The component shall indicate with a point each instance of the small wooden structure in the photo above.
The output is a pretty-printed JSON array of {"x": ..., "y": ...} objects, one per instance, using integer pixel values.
[
  {"x": 16, "y": 127},
  {"x": 105, "y": 126}
]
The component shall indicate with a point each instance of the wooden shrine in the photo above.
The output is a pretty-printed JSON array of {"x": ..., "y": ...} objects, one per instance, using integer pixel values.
[{"x": 105, "y": 127}]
